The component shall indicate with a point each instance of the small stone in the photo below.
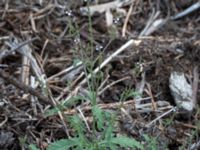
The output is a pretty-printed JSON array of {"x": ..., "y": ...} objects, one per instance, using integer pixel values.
[{"x": 181, "y": 91}]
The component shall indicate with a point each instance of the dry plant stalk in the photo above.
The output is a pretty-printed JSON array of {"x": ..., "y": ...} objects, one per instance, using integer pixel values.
[
  {"x": 141, "y": 108},
  {"x": 103, "y": 64},
  {"x": 124, "y": 28}
]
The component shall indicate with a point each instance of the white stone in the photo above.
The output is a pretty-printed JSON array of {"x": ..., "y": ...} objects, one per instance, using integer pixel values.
[{"x": 181, "y": 91}]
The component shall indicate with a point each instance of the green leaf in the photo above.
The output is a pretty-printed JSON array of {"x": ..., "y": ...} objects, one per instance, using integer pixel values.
[
  {"x": 98, "y": 115},
  {"x": 73, "y": 100},
  {"x": 92, "y": 95},
  {"x": 32, "y": 147},
  {"x": 51, "y": 112},
  {"x": 127, "y": 93},
  {"x": 151, "y": 142},
  {"x": 77, "y": 124},
  {"x": 104, "y": 144},
  {"x": 108, "y": 133},
  {"x": 63, "y": 144},
  {"x": 76, "y": 62},
  {"x": 112, "y": 146},
  {"x": 146, "y": 137},
  {"x": 124, "y": 141},
  {"x": 60, "y": 107}
]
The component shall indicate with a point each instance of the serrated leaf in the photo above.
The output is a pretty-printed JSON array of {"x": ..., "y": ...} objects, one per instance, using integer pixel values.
[
  {"x": 63, "y": 144},
  {"x": 113, "y": 147},
  {"x": 51, "y": 112},
  {"x": 105, "y": 144},
  {"x": 146, "y": 137},
  {"x": 108, "y": 133},
  {"x": 128, "y": 93},
  {"x": 78, "y": 125},
  {"x": 77, "y": 62},
  {"x": 60, "y": 107},
  {"x": 98, "y": 114},
  {"x": 124, "y": 141},
  {"x": 32, "y": 147},
  {"x": 73, "y": 100},
  {"x": 151, "y": 142},
  {"x": 92, "y": 95}
]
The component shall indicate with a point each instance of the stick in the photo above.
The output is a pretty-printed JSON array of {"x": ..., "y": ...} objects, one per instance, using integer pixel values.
[
  {"x": 25, "y": 88},
  {"x": 126, "y": 20},
  {"x": 159, "y": 117},
  {"x": 195, "y": 85},
  {"x": 187, "y": 11}
]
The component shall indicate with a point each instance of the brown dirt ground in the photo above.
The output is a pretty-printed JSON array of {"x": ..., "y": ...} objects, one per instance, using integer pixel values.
[{"x": 157, "y": 56}]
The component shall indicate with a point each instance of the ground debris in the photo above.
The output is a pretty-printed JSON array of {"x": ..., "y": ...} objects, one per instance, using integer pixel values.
[
  {"x": 181, "y": 91},
  {"x": 135, "y": 59},
  {"x": 6, "y": 139}
]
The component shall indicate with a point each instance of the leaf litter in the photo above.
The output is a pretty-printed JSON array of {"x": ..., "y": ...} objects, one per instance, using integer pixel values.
[{"x": 49, "y": 50}]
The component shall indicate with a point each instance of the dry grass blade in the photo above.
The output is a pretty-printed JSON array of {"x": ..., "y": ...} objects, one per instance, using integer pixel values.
[
  {"x": 173, "y": 109},
  {"x": 65, "y": 71},
  {"x": 113, "y": 83},
  {"x": 124, "y": 28}
]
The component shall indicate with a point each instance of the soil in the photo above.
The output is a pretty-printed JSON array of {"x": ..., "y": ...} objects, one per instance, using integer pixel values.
[{"x": 64, "y": 36}]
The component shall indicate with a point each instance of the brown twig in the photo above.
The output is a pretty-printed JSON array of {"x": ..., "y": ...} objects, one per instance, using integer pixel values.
[
  {"x": 113, "y": 83},
  {"x": 126, "y": 20},
  {"x": 195, "y": 85},
  {"x": 25, "y": 88},
  {"x": 149, "y": 91}
]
